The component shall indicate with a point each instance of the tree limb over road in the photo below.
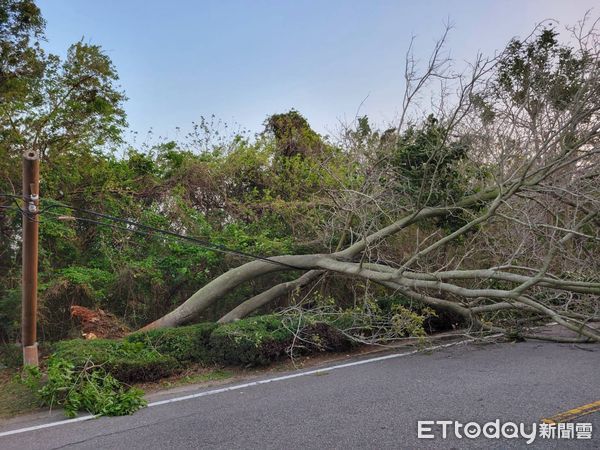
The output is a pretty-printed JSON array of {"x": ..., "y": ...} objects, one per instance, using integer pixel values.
[{"x": 485, "y": 202}]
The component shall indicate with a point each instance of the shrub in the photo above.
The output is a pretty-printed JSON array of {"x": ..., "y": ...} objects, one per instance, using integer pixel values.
[
  {"x": 322, "y": 336},
  {"x": 253, "y": 341},
  {"x": 89, "y": 388},
  {"x": 186, "y": 344},
  {"x": 264, "y": 339},
  {"x": 11, "y": 356},
  {"x": 126, "y": 361},
  {"x": 10, "y": 314}
]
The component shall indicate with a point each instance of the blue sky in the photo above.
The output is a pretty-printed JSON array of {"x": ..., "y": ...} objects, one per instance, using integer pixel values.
[{"x": 244, "y": 60}]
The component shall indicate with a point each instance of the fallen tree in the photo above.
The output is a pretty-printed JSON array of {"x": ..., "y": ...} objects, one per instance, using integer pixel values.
[{"x": 485, "y": 203}]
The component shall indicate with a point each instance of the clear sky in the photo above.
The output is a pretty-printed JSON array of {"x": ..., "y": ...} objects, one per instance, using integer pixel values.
[{"x": 243, "y": 60}]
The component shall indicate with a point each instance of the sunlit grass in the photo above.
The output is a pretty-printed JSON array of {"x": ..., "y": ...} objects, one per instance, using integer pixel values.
[
  {"x": 15, "y": 398},
  {"x": 214, "y": 375}
]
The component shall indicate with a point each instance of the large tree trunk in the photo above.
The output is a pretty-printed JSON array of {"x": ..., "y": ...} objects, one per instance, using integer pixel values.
[
  {"x": 225, "y": 283},
  {"x": 268, "y": 296},
  {"x": 537, "y": 202}
]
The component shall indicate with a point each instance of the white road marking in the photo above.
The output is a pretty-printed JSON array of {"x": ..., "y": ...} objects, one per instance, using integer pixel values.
[
  {"x": 47, "y": 425},
  {"x": 246, "y": 385},
  {"x": 302, "y": 374}
]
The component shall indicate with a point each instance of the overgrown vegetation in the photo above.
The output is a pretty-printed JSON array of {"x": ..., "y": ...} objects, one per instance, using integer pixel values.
[
  {"x": 89, "y": 388},
  {"x": 126, "y": 361},
  {"x": 265, "y": 196},
  {"x": 185, "y": 344},
  {"x": 15, "y": 397},
  {"x": 92, "y": 375},
  {"x": 478, "y": 210},
  {"x": 254, "y": 341}
]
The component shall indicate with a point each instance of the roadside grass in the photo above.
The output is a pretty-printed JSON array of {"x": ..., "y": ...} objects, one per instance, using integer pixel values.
[
  {"x": 15, "y": 398},
  {"x": 204, "y": 353},
  {"x": 191, "y": 377}
]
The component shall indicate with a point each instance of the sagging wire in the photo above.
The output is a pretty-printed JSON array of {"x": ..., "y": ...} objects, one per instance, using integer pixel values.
[{"x": 149, "y": 230}]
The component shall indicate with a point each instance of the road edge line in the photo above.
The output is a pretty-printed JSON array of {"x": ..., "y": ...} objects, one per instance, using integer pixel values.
[{"x": 251, "y": 384}]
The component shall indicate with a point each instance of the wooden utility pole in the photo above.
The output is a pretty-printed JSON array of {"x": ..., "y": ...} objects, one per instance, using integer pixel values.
[{"x": 31, "y": 191}]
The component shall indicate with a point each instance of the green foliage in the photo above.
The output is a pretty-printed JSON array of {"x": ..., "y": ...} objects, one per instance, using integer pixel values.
[
  {"x": 280, "y": 193},
  {"x": 97, "y": 280},
  {"x": 11, "y": 356},
  {"x": 20, "y": 23},
  {"x": 409, "y": 323},
  {"x": 244, "y": 198},
  {"x": 541, "y": 71},
  {"x": 10, "y": 314},
  {"x": 253, "y": 341},
  {"x": 432, "y": 168},
  {"x": 262, "y": 340},
  {"x": 537, "y": 74},
  {"x": 293, "y": 135},
  {"x": 320, "y": 336},
  {"x": 381, "y": 319},
  {"x": 52, "y": 106},
  {"x": 15, "y": 397},
  {"x": 186, "y": 344},
  {"x": 212, "y": 375},
  {"x": 126, "y": 361},
  {"x": 89, "y": 388},
  {"x": 428, "y": 164},
  {"x": 258, "y": 197}
]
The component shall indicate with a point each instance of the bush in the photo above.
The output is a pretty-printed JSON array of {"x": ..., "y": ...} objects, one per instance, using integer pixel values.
[
  {"x": 185, "y": 344},
  {"x": 10, "y": 314},
  {"x": 264, "y": 339},
  {"x": 90, "y": 389},
  {"x": 322, "y": 336},
  {"x": 11, "y": 356},
  {"x": 126, "y": 361},
  {"x": 253, "y": 341}
]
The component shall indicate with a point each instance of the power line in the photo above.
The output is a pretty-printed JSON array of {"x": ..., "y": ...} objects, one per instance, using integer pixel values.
[{"x": 150, "y": 230}]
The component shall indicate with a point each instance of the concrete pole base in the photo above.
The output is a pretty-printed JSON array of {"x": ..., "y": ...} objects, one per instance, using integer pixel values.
[{"x": 30, "y": 355}]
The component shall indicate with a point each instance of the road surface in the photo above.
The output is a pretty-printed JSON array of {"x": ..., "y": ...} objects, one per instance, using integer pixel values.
[{"x": 370, "y": 405}]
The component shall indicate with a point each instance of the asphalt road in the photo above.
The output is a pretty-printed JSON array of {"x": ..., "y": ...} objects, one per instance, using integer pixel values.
[{"x": 374, "y": 405}]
